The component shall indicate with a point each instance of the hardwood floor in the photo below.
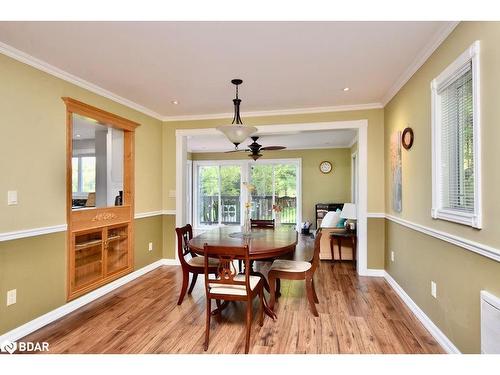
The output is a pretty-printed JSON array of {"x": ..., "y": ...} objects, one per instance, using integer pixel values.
[{"x": 356, "y": 315}]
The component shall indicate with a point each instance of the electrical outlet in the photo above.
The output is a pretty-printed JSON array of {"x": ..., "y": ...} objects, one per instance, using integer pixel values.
[
  {"x": 433, "y": 289},
  {"x": 150, "y": 246},
  {"x": 392, "y": 256},
  {"x": 11, "y": 297}
]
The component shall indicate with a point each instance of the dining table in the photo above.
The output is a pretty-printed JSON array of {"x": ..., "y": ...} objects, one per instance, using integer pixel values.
[{"x": 262, "y": 244}]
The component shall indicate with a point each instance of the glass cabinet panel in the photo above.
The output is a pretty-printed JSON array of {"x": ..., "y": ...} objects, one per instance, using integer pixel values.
[
  {"x": 88, "y": 258},
  {"x": 117, "y": 249}
]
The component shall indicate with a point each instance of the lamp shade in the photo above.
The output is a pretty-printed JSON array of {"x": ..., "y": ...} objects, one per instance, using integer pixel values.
[
  {"x": 349, "y": 211},
  {"x": 237, "y": 133}
]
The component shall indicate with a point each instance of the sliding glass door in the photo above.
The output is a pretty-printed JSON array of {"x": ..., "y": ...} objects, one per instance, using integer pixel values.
[
  {"x": 275, "y": 185},
  {"x": 218, "y": 190},
  {"x": 219, "y": 195}
]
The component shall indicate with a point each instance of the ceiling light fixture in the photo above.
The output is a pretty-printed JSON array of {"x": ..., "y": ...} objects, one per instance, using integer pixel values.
[
  {"x": 237, "y": 132},
  {"x": 78, "y": 136},
  {"x": 346, "y": 89},
  {"x": 174, "y": 102}
]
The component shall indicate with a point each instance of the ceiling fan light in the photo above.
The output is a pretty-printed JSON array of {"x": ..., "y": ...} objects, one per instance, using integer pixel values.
[{"x": 237, "y": 133}]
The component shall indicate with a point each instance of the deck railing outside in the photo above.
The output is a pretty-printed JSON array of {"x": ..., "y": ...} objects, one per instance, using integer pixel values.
[{"x": 262, "y": 208}]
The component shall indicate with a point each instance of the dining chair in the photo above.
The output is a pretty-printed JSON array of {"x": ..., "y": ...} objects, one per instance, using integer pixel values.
[
  {"x": 229, "y": 285},
  {"x": 190, "y": 262},
  {"x": 296, "y": 270},
  {"x": 264, "y": 224}
]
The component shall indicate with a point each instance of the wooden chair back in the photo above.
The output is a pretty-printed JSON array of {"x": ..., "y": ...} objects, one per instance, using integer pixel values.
[
  {"x": 184, "y": 234},
  {"x": 226, "y": 271},
  {"x": 315, "y": 259},
  {"x": 265, "y": 224}
]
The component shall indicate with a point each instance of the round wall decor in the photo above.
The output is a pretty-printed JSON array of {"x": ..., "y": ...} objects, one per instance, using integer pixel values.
[
  {"x": 325, "y": 167},
  {"x": 407, "y": 138}
]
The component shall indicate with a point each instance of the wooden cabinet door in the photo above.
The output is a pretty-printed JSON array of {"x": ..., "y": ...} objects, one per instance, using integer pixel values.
[
  {"x": 87, "y": 258},
  {"x": 117, "y": 249}
]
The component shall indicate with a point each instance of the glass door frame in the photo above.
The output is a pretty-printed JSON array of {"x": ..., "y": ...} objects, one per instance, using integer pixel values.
[{"x": 244, "y": 193}]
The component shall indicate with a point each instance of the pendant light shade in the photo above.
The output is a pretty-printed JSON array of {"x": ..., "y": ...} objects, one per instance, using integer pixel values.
[{"x": 236, "y": 132}]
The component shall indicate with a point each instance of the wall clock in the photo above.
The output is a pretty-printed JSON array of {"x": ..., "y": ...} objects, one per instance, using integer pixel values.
[
  {"x": 407, "y": 138},
  {"x": 325, "y": 167}
]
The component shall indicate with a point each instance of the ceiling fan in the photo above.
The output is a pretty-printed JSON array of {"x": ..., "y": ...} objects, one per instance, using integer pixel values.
[{"x": 254, "y": 148}]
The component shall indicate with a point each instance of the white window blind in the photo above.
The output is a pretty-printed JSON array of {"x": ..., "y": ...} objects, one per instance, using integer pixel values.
[
  {"x": 457, "y": 151},
  {"x": 456, "y": 155}
]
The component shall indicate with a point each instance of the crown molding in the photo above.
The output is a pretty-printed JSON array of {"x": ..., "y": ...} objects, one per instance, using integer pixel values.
[
  {"x": 422, "y": 57},
  {"x": 68, "y": 77},
  {"x": 278, "y": 112}
]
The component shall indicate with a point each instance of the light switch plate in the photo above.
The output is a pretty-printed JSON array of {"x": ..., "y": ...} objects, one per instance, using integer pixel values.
[
  {"x": 11, "y": 297},
  {"x": 150, "y": 246},
  {"x": 12, "y": 197},
  {"x": 433, "y": 289},
  {"x": 392, "y": 256}
]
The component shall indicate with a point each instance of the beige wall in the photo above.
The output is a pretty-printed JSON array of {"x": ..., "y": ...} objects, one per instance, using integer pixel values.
[
  {"x": 317, "y": 187},
  {"x": 33, "y": 147},
  {"x": 460, "y": 274}
]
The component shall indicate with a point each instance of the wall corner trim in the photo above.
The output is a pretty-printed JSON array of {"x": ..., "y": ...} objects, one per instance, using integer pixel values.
[
  {"x": 481, "y": 249},
  {"x": 24, "y": 233},
  {"x": 51, "y": 316},
  {"x": 143, "y": 215},
  {"x": 440, "y": 337}
]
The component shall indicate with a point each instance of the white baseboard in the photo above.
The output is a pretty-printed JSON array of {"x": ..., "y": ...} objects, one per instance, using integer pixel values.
[
  {"x": 373, "y": 272},
  {"x": 69, "y": 307},
  {"x": 424, "y": 319},
  {"x": 171, "y": 262}
]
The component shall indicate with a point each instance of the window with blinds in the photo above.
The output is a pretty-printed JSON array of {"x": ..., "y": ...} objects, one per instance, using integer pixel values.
[{"x": 456, "y": 142}]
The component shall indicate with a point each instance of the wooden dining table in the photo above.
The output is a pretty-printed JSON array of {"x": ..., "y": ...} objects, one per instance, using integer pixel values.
[{"x": 262, "y": 244}]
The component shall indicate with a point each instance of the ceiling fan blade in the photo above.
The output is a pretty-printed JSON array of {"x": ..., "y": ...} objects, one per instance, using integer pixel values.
[
  {"x": 239, "y": 150},
  {"x": 269, "y": 148}
]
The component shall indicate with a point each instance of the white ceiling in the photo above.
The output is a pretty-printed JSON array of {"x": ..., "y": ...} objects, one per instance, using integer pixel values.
[
  {"x": 292, "y": 141},
  {"x": 284, "y": 65}
]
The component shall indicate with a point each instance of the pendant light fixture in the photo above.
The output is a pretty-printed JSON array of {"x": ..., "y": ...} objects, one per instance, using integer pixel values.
[{"x": 237, "y": 132}]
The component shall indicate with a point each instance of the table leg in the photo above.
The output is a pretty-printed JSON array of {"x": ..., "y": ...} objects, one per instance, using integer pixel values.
[
  {"x": 339, "y": 243},
  {"x": 256, "y": 273},
  {"x": 331, "y": 248},
  {"x": 220, "y": 307}
]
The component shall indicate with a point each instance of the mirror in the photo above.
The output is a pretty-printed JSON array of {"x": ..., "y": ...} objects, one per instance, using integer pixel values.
[{"x": 97, "y": 164}]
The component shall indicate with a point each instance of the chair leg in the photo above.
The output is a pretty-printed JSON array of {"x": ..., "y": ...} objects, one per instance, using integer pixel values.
[
  {"x": 310, "y": 296},
  {"x": 278, "y": 288},
  {"x": 193, "y": 281},
  {"x": 185, "y": 280},
  {"x": 261, "y": 309},
  {"x": 249, "y": 325},
  {"x": 316, "y": 300},
  {"x": 207, "y": 326},
  {"x": 240, "y": 265},
  {"x": 272, "y": 291}
]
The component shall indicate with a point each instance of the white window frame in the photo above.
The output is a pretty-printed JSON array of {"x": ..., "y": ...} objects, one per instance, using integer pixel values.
[
  {"x": 245, "y": 177},
  {"x": 474, "y": 219},
  {"x": 81, "y": 194}
]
